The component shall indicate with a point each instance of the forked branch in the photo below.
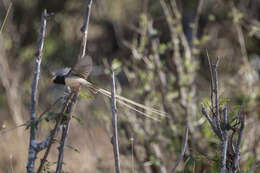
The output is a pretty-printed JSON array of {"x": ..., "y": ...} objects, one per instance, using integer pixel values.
[{"x": 220, "y": 125}]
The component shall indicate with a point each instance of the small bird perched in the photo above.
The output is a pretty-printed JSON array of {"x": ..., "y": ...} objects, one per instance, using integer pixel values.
[{"x": 77, "y": 76}]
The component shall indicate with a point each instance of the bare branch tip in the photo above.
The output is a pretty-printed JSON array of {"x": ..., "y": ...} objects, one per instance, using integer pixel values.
[{"x": 217, "y": 61}]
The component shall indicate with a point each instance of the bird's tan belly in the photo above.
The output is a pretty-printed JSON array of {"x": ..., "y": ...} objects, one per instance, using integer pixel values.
[{"x": 75, "y": 81}]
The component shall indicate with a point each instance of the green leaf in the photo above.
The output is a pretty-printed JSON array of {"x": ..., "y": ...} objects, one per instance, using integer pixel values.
[
  {"x": 231, "y": 114},
  {"x": 196, "y": 42},
  {"x": 237, "y": 16},
  {"x": 26, "y": 53},
  {"x": 73, "y": 148},
  {"x": 187, "y": 63},
  {"x": 234, "y": 112},
  {"x": 224, "y": 101},
  {"x": 85, "y": 95},
  {"x": 237, "y": 108},
  {"x": 51, "y": 116},
  {"x": 162, "y": 48},
  {"x": 32, "y": 125},
  {"x": 212, "y": 17},
  {"x": 205, "y": 39},
  {"x": 116, "y": 64},
  {"x": 78, "y": 119},
  {"x": 206, "y": 102}
]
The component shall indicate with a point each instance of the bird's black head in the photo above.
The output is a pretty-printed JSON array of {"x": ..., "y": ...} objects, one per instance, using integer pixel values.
[{"x": 59, "y": 80}]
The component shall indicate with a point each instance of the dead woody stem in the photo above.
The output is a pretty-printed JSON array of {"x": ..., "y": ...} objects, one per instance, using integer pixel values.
[{"x": 218, "y": 119}]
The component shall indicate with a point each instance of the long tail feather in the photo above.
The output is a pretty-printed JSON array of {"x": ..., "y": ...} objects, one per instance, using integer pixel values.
[
  {"x": 161, "y": 113},
  {"x": 131, "y": 107},
  {"x": 140, "y": 112},
  {"x": 128, "y": 103}
]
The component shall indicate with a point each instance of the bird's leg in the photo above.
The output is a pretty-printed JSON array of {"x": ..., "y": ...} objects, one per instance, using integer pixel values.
[{"x": 77, "y": 88}]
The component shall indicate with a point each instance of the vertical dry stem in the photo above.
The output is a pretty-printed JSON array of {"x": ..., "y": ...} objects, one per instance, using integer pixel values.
[{"x": 114, "y": 139}]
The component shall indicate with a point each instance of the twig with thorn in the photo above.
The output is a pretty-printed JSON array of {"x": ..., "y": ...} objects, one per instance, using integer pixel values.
[
  {"x": 114, "y": 138},
  {"x": 224, "y": 143},
  {"x": 84, "y": 28},
  {"x": 229, "y": 152},
  {"x": 38, "y": 57},
  {"x": 237, "y": 149},
  {"x": 54, "y": 132},
  {"x": 65, "y": 130},
  {"x": 72, "y": 104}
]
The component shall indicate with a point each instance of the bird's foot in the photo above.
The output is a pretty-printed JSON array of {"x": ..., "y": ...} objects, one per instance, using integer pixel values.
[{"x": 77, "y": 88}]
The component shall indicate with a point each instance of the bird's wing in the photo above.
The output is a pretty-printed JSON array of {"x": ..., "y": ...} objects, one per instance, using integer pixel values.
[
  {"x": 83, "y": 67},
  {"x": 62, "y": 72}
]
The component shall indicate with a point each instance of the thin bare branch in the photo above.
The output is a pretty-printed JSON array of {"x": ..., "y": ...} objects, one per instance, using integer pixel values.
[
  {"x": 227, "y": 145},
  {"x": 38, "y": 57},
  {"x": 175, "y": 8},
  {"x": 84, "y": 28},
  {"x": 65, "y": 131},
  {"x": 71, "y": 106},
  {"x": 54, "y": 131},
  {"x": 237, "y": 150},
  {"x": 211, "y": 121},
  {"x": 211, "y": 79},
  {"x": 184, "y": 41},
  {"x": 114, "y": 138},
  {"x": 5, "y": 19},
  {"x": 183, "y": 149},
  {"x": 241, "y": 37},
  {"x": 224, "y": 144},
  {"x": 196, "y": 20},
  {"x": 215, "y": 91},
  {"x": 42, "y": 145}
]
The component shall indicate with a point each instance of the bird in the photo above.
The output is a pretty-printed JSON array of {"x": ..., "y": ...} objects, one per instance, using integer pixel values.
[
  {"x": 74, "y": 77},
  {"x": 77, "y": 76}
]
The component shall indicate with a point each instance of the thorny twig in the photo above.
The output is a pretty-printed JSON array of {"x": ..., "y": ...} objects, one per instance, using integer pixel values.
[
  {"x": 114, "y": 139},
  {"x": 221, "y": 126},
  {"x": 84, "y": 28},
  {"x": 235, "y": 165},
  {"x": 196, "y": 20},
  {"x": 54, "y": 131},
  {"x": 65, "y": 131},
  {"x": 71, "y": 106},
  {"x": 211, "y": 79},
  {"x": 5, "y": 19},
  {"x": 224, "y": 144},
  {"x": 38, "y": 57}
]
